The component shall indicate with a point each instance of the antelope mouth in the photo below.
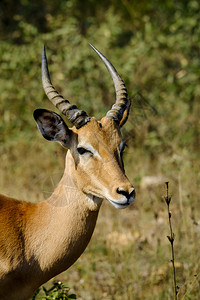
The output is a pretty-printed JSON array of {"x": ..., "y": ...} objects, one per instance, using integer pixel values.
[{"x": 122, "y": 204}]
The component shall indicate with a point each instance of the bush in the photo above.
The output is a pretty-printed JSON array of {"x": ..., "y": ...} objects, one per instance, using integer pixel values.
[{"x": 57, "y": 291}]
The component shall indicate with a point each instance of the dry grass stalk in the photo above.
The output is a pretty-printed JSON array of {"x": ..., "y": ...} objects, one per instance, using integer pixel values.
[{"x": 171, "y": 238}]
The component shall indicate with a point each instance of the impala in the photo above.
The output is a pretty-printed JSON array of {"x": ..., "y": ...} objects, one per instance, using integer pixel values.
[{"x": 41, "y": 240}]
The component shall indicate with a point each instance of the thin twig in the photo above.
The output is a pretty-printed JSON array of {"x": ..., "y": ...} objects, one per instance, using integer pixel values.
[{"x": 171, "y": 238}]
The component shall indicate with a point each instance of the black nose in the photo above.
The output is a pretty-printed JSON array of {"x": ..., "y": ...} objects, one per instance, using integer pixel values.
[{"x": 125, "y": 193}]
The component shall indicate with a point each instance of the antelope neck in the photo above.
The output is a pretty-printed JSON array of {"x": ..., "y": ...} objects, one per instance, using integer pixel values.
[{"x": 67, "y": 191}]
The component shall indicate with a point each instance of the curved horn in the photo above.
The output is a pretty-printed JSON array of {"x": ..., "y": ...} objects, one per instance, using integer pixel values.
[
  {"x": 122, "y": 102},
  {"x": 76, "y": 116}
]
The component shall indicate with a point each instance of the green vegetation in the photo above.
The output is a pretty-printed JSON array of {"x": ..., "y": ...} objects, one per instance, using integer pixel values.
[
  {"x": 155, "y": 47},
  {"x": 57, "y": 291}
]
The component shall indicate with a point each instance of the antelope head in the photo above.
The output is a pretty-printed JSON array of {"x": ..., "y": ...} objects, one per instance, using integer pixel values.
[{"x": 95, "y": 147}]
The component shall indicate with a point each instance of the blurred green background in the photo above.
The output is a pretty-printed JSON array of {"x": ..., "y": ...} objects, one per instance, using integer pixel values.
[{"x": 155, "y": 46}]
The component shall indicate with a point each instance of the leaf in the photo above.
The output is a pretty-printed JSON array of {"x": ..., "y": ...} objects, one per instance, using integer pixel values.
[
  {"x": 72, "y": 296},
  {"x": 45, "y": 290}
]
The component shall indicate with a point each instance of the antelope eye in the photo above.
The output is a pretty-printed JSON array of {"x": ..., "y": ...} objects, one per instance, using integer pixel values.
[{"x": 82, "y": 150}]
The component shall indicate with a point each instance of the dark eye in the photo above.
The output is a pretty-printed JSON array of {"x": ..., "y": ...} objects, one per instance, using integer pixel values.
[{"x": 82, "y": 150}]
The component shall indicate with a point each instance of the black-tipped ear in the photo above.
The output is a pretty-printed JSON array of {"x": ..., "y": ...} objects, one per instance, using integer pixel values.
[{"x": 52, "y": 127}]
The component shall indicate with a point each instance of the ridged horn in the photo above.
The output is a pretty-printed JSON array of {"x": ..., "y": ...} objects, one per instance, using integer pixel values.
[
  {"x": 78, "y": 117},
  {"x": 122, "y": 102}
]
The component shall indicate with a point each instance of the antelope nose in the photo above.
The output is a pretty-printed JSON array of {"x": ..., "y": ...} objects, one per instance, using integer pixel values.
[{"x": 127, "y": 194}]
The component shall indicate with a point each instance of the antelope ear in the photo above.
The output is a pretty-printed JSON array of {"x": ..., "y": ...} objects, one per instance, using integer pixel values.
[
  {"x": 126, "y": 113},
  {"x": 52, "y": 127}
]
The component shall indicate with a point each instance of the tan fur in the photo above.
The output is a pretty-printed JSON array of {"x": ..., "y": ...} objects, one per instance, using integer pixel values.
[{"x": 40, "y": 240}]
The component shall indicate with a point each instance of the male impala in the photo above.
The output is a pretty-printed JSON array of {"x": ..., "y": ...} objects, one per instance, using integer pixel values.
[{"x": 40, "y": 240}]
